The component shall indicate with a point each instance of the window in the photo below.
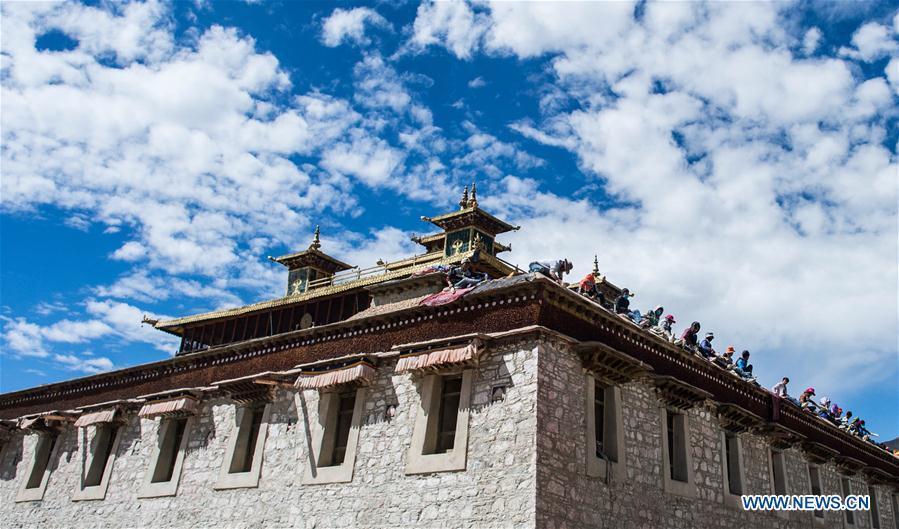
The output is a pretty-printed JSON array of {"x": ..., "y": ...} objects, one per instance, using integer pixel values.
[
  {"x": 449, "y": 413},
  {"x": 677, "y": 461},
  {"x": 732, "y": 469},
  {"x": 815, "y": 480},
  {"x": 344, "y": 422},
  {"x": 243, "y": 457},
  {"x": 334, "y": 441},
  {"x": 440, "y": 436},
  {"x": 167, "y": 460},
  {"x": 99, "y": 460},
  {"x": 847, "y": 490},
  {"x": 875, "y": 511},
  {"x": 605, "y": 430},
  {"x": 45, "y": 448},
  {"x": 894, "y": 499},
  {"x": 677, "y": 470},
  {"x": 778, "y": 473}
]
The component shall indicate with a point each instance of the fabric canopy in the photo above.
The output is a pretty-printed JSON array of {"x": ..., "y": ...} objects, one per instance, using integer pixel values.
[
  {"x": 444, "y": 297},
  {"x": 440, "y": 357},
  {"x": 97, "y": 417},
  {"x": 355, "y": 373},
  {"x": 26, "y": 424},
  {"x": 179, "y": 406}
]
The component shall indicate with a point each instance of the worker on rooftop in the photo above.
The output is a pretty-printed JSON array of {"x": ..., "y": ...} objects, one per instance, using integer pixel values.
[
  {"x": 665, "y": 328},
  {"x": 690, "y": 337},
  {"x": 623, "y": 302},
  {"x": 554, "y": 270},
  {"x": 464, "y": 276},
  {"x": 705, "y": 346}
]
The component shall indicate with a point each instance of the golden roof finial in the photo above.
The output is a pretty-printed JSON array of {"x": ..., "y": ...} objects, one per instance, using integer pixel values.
[
  {"x": 595, "y": 265},
  {"x": 464, "y": 202},
  {"x": 316, "y": 241},
  {"x": 473, "y": 201}
]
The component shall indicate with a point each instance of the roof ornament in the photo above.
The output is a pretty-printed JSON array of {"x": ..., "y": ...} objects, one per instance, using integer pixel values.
[
  {"x": 473, "y": 201},
  {"x": 464, "y": 202},
  {"x": 316, "y": 241},
  {"x": 595, "y": 265}
]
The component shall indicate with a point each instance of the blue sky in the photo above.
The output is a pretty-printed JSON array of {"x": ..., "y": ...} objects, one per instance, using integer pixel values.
[{"x": 734, "y": 162}]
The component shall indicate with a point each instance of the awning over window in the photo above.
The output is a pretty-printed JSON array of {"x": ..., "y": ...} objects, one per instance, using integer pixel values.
[
  {"x": 27, "y": 424},
  {"x": 97, "y": 417},
  {"x": 359, "y": 372},
  {"x": 178, "y": 406},
  {"x": 437, "y": 358}
]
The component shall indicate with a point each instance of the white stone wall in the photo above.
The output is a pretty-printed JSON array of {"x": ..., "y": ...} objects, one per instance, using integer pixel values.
[
  {"x": 525, "y": 467},
  {"x": 497, "y": 489},
  {"x": 568, "y": 498}
]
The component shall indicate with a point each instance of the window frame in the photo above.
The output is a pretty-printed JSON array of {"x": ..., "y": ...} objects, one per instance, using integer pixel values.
[
  {"x": 421, "y": 458},
  {"x": 249, "y": 478},
  {"x": 817, "y": 477},
  {"x": 874, "y": 512},
  {"x": 613, "y": 427},
  {"x": 98, "y": 491},
  {"x": 37, "y": 493},
  {"x": 157, "y": 489},
  {"x": 324, "y": 435},
  {"x": 846, "y": 490},
  {"x": 673, "y": 486},
  {"x": 735, "y": 444}
]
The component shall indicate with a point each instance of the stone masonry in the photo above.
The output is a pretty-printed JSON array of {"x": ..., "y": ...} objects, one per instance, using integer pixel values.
[{"x": 525, "y": 464}]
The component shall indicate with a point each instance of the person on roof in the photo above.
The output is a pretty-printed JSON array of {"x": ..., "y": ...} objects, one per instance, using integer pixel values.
[
  {"x": 705, "y": 346},
  {"x": 652, "y": 317},
  {"x": 665, "y": 327},
  {"x": 554, "y": 270},
  {"x": 780, "y": 389},
  {"x": 846, "y": 420},
  {"x": 726, "y": 360},
  {"x": 743, "y": 367},
  {"x": 824, "y": 408},
  {"x": 464, "y": 276},
  {"x": 588, "y": 287},
  {"x": 623, "y": 302},
  {"x": 690, "y": 336},
  {"x": 805, "y": 399}
]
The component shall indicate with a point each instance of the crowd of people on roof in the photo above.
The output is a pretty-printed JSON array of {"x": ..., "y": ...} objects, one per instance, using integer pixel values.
[
  {"x": 464, "y": 276},
  {"x": 663, "y": 326}
]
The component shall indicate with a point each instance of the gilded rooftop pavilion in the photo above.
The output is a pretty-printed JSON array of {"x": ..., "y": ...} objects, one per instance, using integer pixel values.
[{"x": 370, "y": 398}]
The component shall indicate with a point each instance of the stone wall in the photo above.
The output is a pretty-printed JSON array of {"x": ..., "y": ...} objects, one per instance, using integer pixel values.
[
  {"x": 497, "y": 488},
  {"x": 525, "y": 467},
  {"x": 568, "y": 498}
]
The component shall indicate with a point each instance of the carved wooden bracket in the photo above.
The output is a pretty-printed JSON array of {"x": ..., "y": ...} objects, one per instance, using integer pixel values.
[
  {"x": 817, "y": 452},
  {"x": 735, "y": 419},
  {"x": 610, "y": 364},
  {"x": 778, "y": 436},
  {"x": 677, "y": 394},
  {"x": 848, "y": 465}
]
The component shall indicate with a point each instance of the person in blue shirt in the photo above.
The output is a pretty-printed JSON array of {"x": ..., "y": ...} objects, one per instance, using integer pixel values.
[
  {"x": 705, "y": 346},
  {"x": 743, "y": 367}
]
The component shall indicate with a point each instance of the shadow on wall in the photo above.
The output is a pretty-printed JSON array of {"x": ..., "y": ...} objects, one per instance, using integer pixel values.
[{"x": 10, "y": 456}]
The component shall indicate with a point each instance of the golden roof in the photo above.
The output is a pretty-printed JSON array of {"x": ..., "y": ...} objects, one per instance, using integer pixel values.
[{"x": 174, "y": 325}]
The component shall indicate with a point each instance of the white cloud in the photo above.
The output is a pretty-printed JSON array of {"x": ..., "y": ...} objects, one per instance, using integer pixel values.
[
  {"x": 811, "y": 40},
  {"x": 739, "y": 188},
  {"x": 871, "y": 42},
  {"x": 452, "y": 24},
  {"x": 349, "y": 25},
  {"x": 477, "y": 82},
  {"x": 90, "y": 366}
]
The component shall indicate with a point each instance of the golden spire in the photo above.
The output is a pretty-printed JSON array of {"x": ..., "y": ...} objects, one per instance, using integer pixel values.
[
  {"x": 316, "y": 241},
  {"x": 464, "y": 202},
  {"x": 473, "y": 201},
  {"x": 595, "y": 265}
]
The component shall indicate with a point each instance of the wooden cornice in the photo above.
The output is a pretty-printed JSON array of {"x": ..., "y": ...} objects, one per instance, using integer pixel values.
[
  {"x": 677, "y": 394},
  {"x": 610, "y": 364}
]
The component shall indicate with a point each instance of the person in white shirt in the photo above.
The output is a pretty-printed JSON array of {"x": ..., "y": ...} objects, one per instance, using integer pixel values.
[{"x": 780, "y": 389}]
